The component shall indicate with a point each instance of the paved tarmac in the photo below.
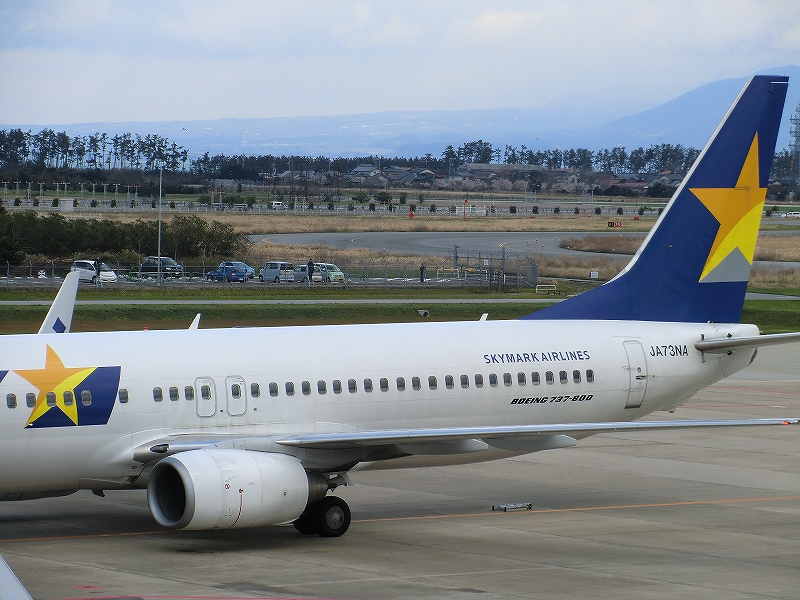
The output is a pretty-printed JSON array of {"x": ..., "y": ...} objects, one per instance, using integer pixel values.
[{"x": 701, "y": 514}]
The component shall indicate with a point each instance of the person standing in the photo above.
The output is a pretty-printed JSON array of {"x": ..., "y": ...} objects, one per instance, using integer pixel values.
[
  {"x": 422, "y": 273},
  {"x": 309, "y": 270}
]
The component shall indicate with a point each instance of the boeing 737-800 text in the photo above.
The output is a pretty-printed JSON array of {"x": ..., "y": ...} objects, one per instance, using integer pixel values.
[{"x": 249, "y": 427}]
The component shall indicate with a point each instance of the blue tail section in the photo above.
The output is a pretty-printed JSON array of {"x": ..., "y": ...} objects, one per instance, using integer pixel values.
[{"x": 694, "y": 265}]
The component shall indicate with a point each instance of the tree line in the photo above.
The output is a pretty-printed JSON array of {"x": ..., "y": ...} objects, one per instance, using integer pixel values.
[
  {"x": 655, "y": 159},
  {"x": 132, "y": 152},
  {"x": 59, "y": 150},
  {"x": 27, "y": 233}
]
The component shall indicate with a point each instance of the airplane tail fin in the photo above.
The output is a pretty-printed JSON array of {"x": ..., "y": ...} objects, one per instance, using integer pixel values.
[
  {"x": 59, "y": 317},
  {"x": 694, "y": 264}
]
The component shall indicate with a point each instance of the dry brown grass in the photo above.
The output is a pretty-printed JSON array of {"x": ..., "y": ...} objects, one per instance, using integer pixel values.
[
  {"x": 299, "y": 254},
  {"x": 549, "y": 266},
  {"x": 777, "y": 247},
  {"x": 255, "y": 223},
  {"x": 612, "y": 244},
  {"x": 770, "y": 247},
  {"x": 774, "y": 279},
  {"x": 578, "y": 268}
]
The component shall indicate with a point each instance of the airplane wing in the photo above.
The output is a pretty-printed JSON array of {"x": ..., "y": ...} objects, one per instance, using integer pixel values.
[
  {"x": 723, "y": 345},
  {"x": 59, "y": 317},
  {"x": 505, "y": 436},
  {"x": 427, "y": 441}
]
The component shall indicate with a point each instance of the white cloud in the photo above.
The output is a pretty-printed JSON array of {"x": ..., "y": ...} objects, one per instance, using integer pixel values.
[{"x": 104, "y": 60}]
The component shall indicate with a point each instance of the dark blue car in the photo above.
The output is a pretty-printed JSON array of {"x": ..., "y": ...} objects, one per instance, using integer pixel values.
[{"x": 227, "y": 272}]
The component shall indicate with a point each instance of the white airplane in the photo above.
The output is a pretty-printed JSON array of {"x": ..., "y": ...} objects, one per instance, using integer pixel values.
[{"x": 230, "y": 428}]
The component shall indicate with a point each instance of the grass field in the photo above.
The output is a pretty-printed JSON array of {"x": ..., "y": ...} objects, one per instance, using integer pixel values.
[{"x": 772, "y": 316}]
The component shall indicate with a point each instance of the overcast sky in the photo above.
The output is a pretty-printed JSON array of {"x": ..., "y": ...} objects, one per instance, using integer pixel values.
[{"x": 71, "y": 61}]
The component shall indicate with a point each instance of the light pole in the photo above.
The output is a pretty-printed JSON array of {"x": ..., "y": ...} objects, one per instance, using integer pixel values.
[{"x": 160, "y": 177}]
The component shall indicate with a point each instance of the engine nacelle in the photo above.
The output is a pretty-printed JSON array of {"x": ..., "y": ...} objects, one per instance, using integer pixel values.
[{"x": 226, "y": 489}]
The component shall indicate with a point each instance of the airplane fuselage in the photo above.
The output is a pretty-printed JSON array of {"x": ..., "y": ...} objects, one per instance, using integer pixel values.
[{"x": 264, "y": 383}]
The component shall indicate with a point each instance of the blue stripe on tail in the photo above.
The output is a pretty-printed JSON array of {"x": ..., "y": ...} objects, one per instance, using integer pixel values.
[{"x": 694, "y": 264}]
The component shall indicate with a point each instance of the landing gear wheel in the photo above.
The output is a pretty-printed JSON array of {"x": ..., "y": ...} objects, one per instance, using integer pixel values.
[
  {"x": 305, "y": 524},
  {"x": 331, "y": 516}
]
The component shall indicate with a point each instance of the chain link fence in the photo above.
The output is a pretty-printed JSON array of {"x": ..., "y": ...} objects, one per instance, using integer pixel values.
[{"x": 465, "y": 269}]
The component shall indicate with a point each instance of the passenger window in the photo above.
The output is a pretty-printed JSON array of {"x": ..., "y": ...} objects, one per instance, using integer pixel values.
[
  {"x": 521, "y": 379},
  {"x": 255, "y": 390},
  {"x": 205, "y": 392},
  {"x": 69, "y": 399},
  {"x": 576, "y": 376},
  {"x": 384, "y": 384},
  {"x": 30, "y": 399},
  {"x": 86, "y": 397},
  {"x": 478, "y": 381},
  {"x": 448, "y": 382},
  {"x": 188, "y": 392},
  {"x": 51, "y": 398},
  {"x": 465, "y": 381},
  {"x": 158, "y": 394},
  {"x": 535, "y": 378},
  {"x": 321, "y": 387},
  {"x": 351, "y": 386},
  {"x": 289, "y": 388},
  {"x": 337, "y": 386},
  {"x": 432, "y": 384},
  {"x": 415, "y": 384},
  {"x": 401, "y": 384},
  {"x": 173, "y": 394},
  {"x": 236, "y": 391},
  {"x": 273, "y": 389},
  {"x": 507, "y": 379},
  {"x": 123, "y": 396},
  {"x": 11, "y": 400},
  {"x": 589, "y": 376},
  {"x": 368, "y": 385},
  {"x": 493, "y": 379},
  {"x": 562, "y": 376},
  {"x": 548, "y": 377},
  {"x": 305, "y": 386}
]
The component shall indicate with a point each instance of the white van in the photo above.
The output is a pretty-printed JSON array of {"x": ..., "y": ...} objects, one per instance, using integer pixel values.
[
  {"x": 276, "y": 272},
  {"x": 276, "y": 204}
]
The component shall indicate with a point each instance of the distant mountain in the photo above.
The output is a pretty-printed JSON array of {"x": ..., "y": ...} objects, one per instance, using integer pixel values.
[{"x": 689, "y": 119}]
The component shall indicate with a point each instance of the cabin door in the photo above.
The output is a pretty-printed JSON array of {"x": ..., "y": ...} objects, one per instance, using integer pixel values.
[{"x": 637, "y": 369}]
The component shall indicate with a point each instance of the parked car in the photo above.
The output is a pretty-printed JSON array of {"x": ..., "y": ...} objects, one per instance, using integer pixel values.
[
  {"x": 87, "y": 271},
  {"x": 169, "y": 267},
  {"x": 301, "y": 273},
  {"x": 251, "y": 272},
  {"x": 228, "y": 271},
  {"x": 327, "y": 273},
  {"x": 276, "y": 271}
]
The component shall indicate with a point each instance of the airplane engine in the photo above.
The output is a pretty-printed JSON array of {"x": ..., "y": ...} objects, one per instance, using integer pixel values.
[{"x": 227, "y": 489}]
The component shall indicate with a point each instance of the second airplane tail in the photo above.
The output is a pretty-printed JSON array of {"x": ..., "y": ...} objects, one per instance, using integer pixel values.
[{"x": 694, "y": 264}]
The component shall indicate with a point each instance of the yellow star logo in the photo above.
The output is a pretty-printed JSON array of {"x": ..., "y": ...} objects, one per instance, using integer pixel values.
[
  {"x": 738, "y": 211},
  {"x": 55, "y": 378}
]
